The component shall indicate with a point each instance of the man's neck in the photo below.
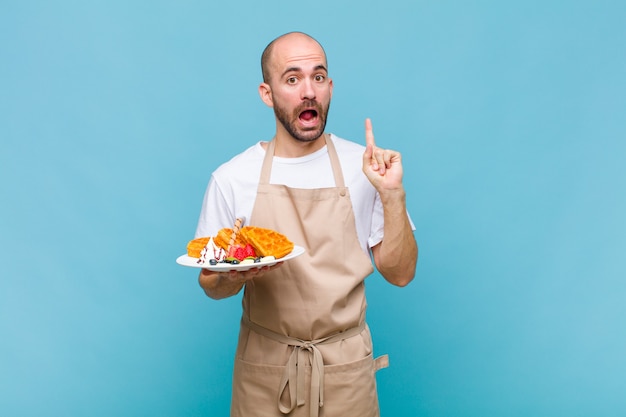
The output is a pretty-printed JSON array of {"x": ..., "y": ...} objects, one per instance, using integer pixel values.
[{"x": 288, "y": 147}]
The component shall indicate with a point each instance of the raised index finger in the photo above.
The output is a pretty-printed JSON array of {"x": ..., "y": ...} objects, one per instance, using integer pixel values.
[{"x": 369, "y": 133}]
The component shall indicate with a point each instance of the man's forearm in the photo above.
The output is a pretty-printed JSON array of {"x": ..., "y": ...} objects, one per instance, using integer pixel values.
[
  {"x": 218, "y": 285},
  {"x": 396, "y": 256}
]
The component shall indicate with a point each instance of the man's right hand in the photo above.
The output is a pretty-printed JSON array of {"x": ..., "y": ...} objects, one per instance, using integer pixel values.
[{"x": 218, "y": 285}]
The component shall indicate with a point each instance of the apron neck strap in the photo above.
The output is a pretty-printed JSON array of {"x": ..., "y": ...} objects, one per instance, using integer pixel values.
[{"x": 266, "y": 169}]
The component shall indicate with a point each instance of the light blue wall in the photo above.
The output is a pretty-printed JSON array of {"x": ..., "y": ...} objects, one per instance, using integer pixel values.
[{"x": 511, "y": 120}]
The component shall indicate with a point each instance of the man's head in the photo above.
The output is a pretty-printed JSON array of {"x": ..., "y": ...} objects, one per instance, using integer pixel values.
[
  {"x": 267, "y": 52},
  {"x": 296, "y": 85}
]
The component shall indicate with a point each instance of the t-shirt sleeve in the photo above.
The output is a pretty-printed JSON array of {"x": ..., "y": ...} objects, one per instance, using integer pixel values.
[
  {"x": 378, "y": 223},
  {"x": 215, "y": 213}
]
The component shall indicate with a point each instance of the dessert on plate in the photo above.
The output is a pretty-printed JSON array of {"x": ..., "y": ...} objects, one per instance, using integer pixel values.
[{"x": 246, "y": 245}]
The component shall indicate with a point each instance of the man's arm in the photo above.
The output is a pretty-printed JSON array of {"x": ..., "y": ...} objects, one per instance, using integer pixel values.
[
  {"x": 218, "y": 285},
  {"x": 396, "y": 256}
]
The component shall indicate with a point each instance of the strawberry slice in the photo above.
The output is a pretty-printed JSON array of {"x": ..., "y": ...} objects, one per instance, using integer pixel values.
[
  {"x": 249, "y": 251},
  {"x": 232, "y": 250},
  {"x": 240, "y": 253}
]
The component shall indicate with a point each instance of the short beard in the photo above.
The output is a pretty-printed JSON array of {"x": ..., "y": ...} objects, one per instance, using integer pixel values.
[{"x": 289, "y": 123}]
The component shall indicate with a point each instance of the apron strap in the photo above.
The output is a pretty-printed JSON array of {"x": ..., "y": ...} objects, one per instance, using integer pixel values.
[
  {"x": 266, "y": 168},
  {"x": 334, "y": 163},
  {"x": 293, "y": 376},
  {"x": 381, "y": 362}
]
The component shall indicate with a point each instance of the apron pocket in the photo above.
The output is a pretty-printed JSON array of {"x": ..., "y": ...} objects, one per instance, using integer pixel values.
[
  {"x": 350, "y": 389},
  {"x": 255, "y": 389}
]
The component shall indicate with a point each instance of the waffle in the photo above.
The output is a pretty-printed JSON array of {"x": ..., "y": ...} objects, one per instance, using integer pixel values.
[
  {"x": 194, "y": 247},
  {"x": 266, "y": 242},
  {"x": 222, "y": 239}
]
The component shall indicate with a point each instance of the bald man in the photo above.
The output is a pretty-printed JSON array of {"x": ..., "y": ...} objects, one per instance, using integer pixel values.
[{"x": 304, "y": 346}]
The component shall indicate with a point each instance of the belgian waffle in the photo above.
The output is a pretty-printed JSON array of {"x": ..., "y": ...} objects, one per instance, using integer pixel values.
[
  {"x": 194, "y": 247},
  {"x": 222, "y": 239},
  {"x": 266, "y": 242}
]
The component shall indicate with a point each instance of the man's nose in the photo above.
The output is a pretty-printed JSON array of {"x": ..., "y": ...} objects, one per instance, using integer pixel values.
[{"x": 307, "y": 92}]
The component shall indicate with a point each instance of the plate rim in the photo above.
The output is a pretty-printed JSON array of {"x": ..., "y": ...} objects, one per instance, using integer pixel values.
[{"x": 296, "y": 251}]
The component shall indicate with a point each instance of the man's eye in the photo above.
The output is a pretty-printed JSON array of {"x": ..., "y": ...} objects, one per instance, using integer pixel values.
[
  {"x": 292, "y": 80},
  {"x": 319, "y": 77}
]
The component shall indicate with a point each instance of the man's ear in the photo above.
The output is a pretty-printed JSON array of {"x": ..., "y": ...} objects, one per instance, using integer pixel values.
[{"x": 265, "y": 91}]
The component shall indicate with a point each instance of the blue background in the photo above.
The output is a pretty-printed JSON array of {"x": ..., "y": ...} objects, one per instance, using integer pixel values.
[{"x": 511, "y": 120}]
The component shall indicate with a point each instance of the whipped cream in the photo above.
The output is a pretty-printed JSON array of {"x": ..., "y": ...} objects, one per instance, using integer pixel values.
[{"x": 211, "y": 251}]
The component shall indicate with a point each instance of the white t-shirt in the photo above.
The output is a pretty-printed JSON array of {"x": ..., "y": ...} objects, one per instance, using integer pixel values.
[{"x": 233, "y": 186}]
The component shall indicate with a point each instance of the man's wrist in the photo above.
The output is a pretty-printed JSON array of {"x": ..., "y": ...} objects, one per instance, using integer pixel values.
[{"x": 393, "y": 195}]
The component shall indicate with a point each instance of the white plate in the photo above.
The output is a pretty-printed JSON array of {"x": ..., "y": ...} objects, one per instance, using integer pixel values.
[{"x": 186, "y": 260}]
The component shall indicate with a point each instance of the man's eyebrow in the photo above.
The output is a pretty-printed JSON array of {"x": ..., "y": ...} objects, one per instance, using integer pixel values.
[
  {"x": 298, "y": 69},
  {"x": 291, "y": 69}
]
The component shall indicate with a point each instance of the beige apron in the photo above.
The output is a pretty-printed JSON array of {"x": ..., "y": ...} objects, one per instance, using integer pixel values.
[{"x": 304, "y": 348}]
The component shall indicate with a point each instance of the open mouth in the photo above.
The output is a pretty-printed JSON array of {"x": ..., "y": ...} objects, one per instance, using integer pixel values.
[{"x": 307, "y": 116}]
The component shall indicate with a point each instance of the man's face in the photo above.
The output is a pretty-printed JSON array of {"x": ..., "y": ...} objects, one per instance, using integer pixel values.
[{"x": 299, "y": 86}]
